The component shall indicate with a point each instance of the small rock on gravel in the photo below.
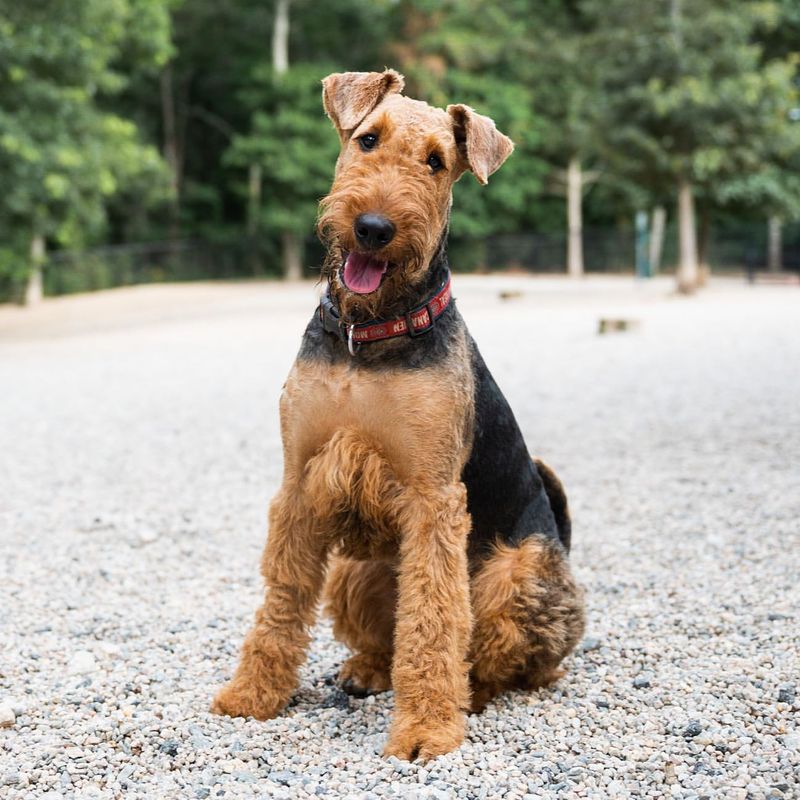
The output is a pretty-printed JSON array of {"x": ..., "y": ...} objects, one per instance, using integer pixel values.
[
  {"x": 7, "y": 716},
  {"x": 787, "y": 693},
  {"x": 147, "y": 536},
  {"x": 170, "y": 747},
  {"x": 694, "y": 728},
  {"x": 81, "y": 662}
]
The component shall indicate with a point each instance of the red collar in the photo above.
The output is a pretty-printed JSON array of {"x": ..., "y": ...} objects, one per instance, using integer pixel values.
[{"x": 413, "y": 323}]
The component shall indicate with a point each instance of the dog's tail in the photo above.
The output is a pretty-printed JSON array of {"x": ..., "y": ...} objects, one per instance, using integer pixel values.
[{"x": 558, "y": 501}]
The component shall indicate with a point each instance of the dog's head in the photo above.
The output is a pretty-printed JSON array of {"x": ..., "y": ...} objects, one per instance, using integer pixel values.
[{"x": 389, "y": 205}]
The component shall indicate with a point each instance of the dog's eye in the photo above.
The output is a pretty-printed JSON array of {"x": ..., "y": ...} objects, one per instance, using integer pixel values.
[
  {"x": 368, "y": 141},
  {"x": 434, "y": 162}
]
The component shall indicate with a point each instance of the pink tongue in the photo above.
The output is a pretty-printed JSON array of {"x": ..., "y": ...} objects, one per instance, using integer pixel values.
[{"x": 362, "y": 274}]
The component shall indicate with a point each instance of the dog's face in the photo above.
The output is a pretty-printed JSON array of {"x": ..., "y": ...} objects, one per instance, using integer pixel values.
[{"x": 390, "y": 201}]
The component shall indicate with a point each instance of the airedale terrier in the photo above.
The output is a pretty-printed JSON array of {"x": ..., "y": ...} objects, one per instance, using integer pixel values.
[{"x": 407, "y": 483}]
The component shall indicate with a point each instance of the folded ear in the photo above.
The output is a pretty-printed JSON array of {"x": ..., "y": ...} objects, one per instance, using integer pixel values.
[
  {"x": 481, "y": 145},
  {"x": 349, "y": 96}
]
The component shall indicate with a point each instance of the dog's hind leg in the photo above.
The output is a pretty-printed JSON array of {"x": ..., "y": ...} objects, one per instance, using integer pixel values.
[
  {"x": 361, "y": 597},
  {"x": 527, "y": 616}
]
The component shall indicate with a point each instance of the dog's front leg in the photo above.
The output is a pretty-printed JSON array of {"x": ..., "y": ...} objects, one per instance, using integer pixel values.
[
  {"x": 429, "y": 671},
  {"x": 293, "y": 567}
]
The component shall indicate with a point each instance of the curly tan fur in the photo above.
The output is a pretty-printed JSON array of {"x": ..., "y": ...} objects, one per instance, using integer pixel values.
[
  {"x": 388, "y": 179},
  {"x": 361, "y": 597},
  {"x": 293, "y": 567},
  {"x": 528, "y": 614},
  {"x": 393, "y": 466},
  {"x": 372, "y": 494}
]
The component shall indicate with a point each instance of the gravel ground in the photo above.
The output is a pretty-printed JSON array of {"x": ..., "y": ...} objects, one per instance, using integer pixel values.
[{"x": 139, "y": 447}]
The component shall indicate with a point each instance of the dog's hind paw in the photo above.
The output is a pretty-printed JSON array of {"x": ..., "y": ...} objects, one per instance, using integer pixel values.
[{"x": 366, "y": 673}]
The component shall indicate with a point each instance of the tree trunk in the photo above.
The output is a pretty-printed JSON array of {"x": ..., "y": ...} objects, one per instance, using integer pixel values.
[
  {"x": 675, "y": 22},
  {"x": 687, "y": 266},
  {"x": 292, "y": 256},
  {"x": 171, "y": 150},
  {"x": 704, "y": 237},
  {"x": 291, "y": 244},
  {"x": 658, "y": 224},
  {"x": 253, "y": 215},
  {"x": 280, "y": 38},
  {"x": 574, "y": 218},
  {"x": 775, "y": 244},
  {"x": 34, "y": 291}
]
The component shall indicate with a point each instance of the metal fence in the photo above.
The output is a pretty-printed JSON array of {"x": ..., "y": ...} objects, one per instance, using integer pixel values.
[
  {"x": 613, "y": 250},
  {"x": 604, "y": 251},
  {"x": 124, "y": 265}
]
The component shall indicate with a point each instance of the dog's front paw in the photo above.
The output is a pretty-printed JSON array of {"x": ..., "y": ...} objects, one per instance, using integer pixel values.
[
  {"x": 366, "y": 673},
  {"x": 424, "y": 741},
  {"x": 238, "y": 700}
]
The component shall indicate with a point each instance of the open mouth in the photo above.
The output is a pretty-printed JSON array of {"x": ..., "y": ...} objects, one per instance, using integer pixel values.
[{"x": 362, "y": 273}]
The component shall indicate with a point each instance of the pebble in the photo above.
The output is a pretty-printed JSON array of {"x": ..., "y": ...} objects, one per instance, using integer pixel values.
[
  {"x": 147, "y": 536},
  {"x": 787, "y": 693},
  {"x": 694, "y": 728},
  {"x": 7, "y": 716},
  {"x": 170, "y": 747},
  {"x": 81, "y": 662}
]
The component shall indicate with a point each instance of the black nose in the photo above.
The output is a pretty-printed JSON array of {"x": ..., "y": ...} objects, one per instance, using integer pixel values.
[{"x": 373, "y": 231}]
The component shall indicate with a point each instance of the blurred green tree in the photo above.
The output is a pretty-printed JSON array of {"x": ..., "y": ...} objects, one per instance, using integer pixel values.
[
  {"x": 294, "y": 147},
  {"x": 289, "y": 148},
  {"x": 774, "y": 190},
  {"x": 62, "y": 155},
  {"x": 467, "y": 52},
  {"x": 688, "y": 100},
  {"x": 557, "y": 61},
  {"x": 696, "y": 98}
]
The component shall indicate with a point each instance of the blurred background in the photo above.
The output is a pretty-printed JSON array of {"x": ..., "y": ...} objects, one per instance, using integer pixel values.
[{"x": 154, "y": 140}]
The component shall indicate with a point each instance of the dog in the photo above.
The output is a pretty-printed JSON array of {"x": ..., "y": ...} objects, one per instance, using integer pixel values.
[{"x": 409, "y": 499}]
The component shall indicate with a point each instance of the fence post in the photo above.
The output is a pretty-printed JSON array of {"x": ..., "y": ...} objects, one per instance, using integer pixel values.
[
  {"x": 642, "y": 246},
  {"x": 775, "y": 245}
]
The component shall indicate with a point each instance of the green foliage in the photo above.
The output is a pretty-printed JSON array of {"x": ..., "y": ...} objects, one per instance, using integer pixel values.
[
  {"x": 640, "y": 93},
  {"x": 504, "y": 204},
  {"x": 293, "y": 142},
  {"x": 686, "y": 92},
  {"x": 61, "y": 154},
  {"x": 774, "y": 188},
  {"x": 465, "y": 53}
]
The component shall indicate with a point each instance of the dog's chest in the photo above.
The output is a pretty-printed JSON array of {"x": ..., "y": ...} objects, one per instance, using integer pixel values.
[{"x": 419, "y": 420}]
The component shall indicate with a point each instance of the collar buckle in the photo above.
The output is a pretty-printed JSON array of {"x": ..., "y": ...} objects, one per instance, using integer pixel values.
[{"x": 352, "y": 347}]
